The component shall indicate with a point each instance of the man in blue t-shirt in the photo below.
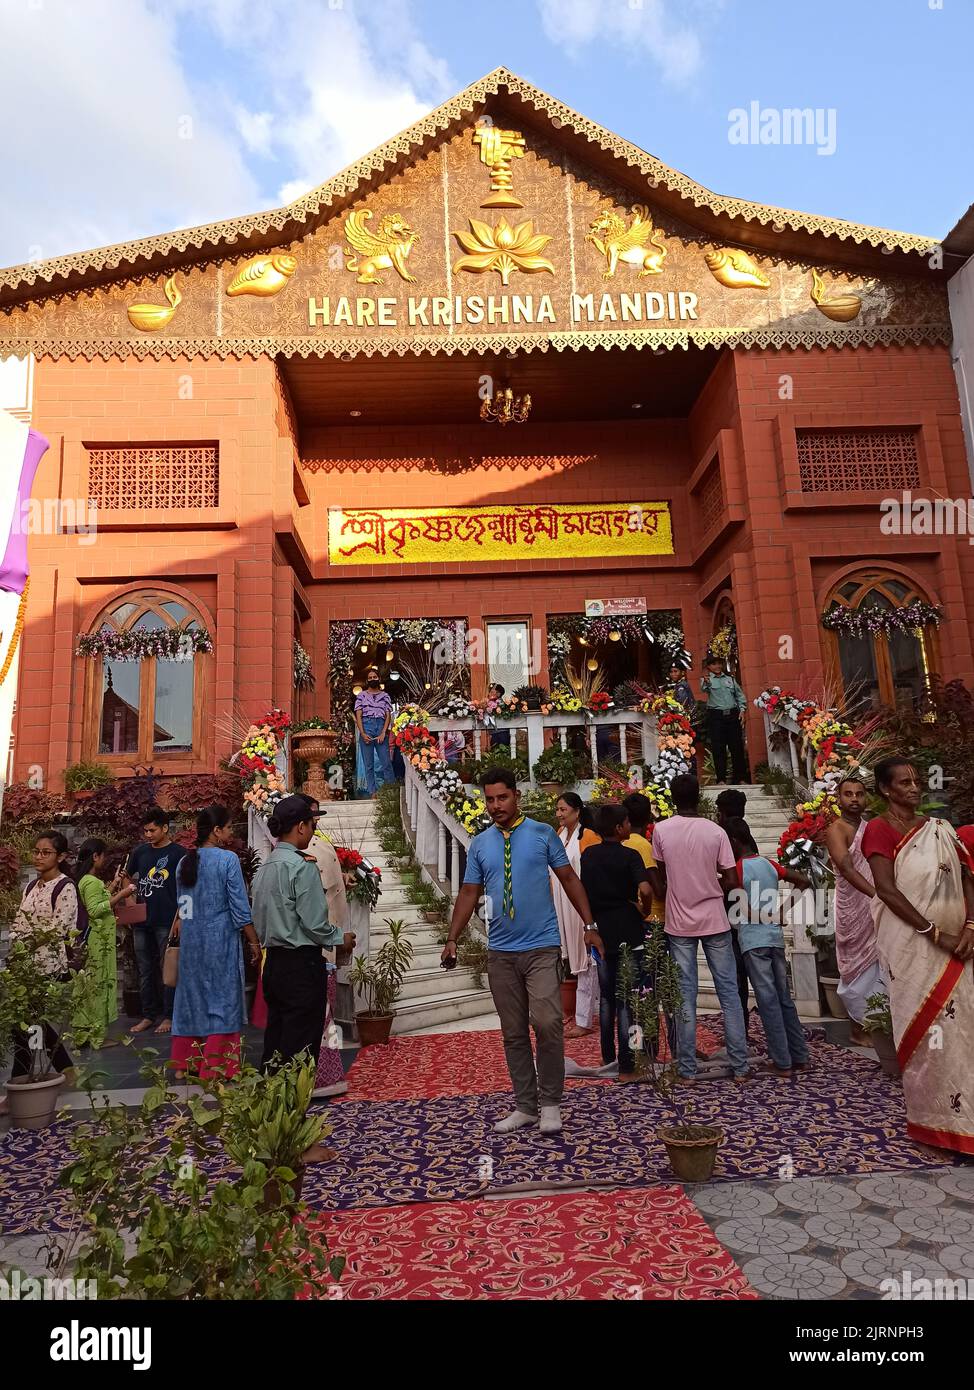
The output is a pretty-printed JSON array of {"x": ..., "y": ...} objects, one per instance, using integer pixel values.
[{"x": 509, "y": 863}]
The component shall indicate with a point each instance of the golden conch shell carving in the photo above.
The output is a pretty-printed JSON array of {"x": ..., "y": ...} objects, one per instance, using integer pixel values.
[
  {"x": 387, "y": 248},
  {"x": 497, "y": 149},
  {"x": 840, "y": 307},
  {"x": 149, "y": 317},
  {"x": 263, "y": 275},
  {"x": 616, "y": 242},
  {"x": 735, "y": 270},
  {"x": 502, "y": 248}
]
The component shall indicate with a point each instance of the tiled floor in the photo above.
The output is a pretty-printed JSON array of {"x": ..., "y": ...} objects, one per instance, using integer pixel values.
[{"x": 841, "y": 1237}]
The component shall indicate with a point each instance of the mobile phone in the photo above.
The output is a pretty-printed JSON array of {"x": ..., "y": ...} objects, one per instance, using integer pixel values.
[{"x": 449, "y": 963}]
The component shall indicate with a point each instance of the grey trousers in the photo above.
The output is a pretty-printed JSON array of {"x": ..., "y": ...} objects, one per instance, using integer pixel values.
[{"x": 526, "y": 987}]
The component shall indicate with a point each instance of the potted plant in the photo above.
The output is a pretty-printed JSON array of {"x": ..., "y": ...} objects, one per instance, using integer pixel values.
[
  {"x": 266, "y": 1120},
  {"x": 878, "y": 1023},
  {"x": 379, "y": 982},
  {"x": 654, "y": 995},
  {"x": 82, "y": 780},
  {"x": 31, "y": 998},
  {"x": 556, "y": 768}
]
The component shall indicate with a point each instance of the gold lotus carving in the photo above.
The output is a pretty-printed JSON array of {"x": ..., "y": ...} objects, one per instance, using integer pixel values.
[
  {"x": 616, "y": 241},
  {"x": 735, "y": 270},
  {"x": 150, "y": 317},
  {"x": 263, "y": 275},
  {"x": 502, "y": 248},
  {"x": 386, "y": 248},
  {"x": 497, "y": 149},
  {"x": 841, "y": 308}
]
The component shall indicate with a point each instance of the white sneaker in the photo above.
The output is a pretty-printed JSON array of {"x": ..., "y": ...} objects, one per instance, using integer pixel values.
[
  {"x": 550, "y": 1119},
  {"x": 517, "y": 1119}
]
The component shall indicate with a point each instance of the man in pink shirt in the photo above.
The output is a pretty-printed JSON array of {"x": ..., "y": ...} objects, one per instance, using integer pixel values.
[{"x": 698, "y": 865}]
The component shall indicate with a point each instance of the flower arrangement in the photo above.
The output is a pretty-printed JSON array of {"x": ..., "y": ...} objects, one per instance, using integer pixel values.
[
  {"x": 304, "y": 676},
  {"x": 600, "y": 702},
  {"x": 455, "y": 707},
  {"x": 674, "y": 738},
  {"x": 871, "y": 618},
  {"x": 409, "y": 715},
  {"x": 443, "y": 782},
  {"x": 365, "y": 885},
  {"x": 165, "y": 644},
  {"x": 470, "y": 809},
  {"x": 418, "y": 746},
  {"x": 628, "y": 695},
  {"x": 836, "y": 748},
  {"x": 565, "y": 702},
  {"x": 510, "y": 707},
  {"x": 806, "y": 833},
  {"x": 257, "y": 762},
  {"x": 723, "y": 644}
]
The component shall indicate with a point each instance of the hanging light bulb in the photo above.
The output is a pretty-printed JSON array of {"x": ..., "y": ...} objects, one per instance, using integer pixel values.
[
  {"x": 427, "y": 646},
  {"x": 592, "y": 664},
  {"x": 364, "y": 647},
  {"x": 389, "y": 654},
  {"x": 393, "y": 675},
  {"x": 427, "y": 686},
  {"x": 583, "y": 641},
  {"x": 615, "y": 635},
  {"x": 356, "y": 690}
]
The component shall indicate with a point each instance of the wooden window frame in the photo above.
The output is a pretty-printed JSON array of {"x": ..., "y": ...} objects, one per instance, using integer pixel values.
[
  {"x": 146, "y": 601},
  {"x": 873, "y": 581}
]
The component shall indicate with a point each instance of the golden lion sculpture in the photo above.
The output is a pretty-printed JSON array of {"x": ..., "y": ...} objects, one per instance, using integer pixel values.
[
  {"x": 617, "y": 242},
  {"x": 387, "y": 248}
]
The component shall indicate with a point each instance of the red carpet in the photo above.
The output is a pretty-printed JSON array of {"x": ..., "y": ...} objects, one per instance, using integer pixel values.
[
  {"x": 456, "y": 1064},
  {"x": 643, "y": 1243}
]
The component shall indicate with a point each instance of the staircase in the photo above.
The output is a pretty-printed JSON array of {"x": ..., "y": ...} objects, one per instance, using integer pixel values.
[
  {"x": 431, "y": 997},
  {"x": 767, "y": 820}
]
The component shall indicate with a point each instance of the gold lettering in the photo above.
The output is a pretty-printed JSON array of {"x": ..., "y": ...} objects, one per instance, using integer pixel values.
[
  {"x": 670, "y": 304},
  {"x": 582, "y": 302},
  {"x": 387, "y": 312},
  {"x": 418, "y": 310},
  {"x": 343, "y": 311},
  {"x": 496, "y": 307},
  {"x": 318, "y": 311},
  {"x": 607, "y": 309},
  {"x": 441, "y": 310},
  {"x": 655, "y": 307},
  {"x": 632, "y": 307},
  {"x": 688, "y": 304},
  {"x": 546, "y": 313},
  {"x": 523, "y": 308},
  {"x": 475, "y": 309},
  {"x": 365, "y": 312}
]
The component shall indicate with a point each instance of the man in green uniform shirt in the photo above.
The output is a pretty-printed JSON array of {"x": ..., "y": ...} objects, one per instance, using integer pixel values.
[{"x": 726, "y": 706}]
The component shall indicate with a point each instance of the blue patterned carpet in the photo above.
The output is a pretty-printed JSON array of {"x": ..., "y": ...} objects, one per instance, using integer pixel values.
[{"x": 841, "y": 1117}]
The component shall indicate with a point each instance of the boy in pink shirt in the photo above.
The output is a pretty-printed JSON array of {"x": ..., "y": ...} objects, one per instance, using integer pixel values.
[{"x": 698, "y": 863}]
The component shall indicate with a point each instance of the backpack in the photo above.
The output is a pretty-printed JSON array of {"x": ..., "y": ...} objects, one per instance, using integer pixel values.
[{"x": 77, "y": 943}]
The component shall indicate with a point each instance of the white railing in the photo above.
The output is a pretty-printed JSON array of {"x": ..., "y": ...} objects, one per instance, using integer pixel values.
[
  {"x": 438, "y": 838},
  {"x": 788, "y": 752},
  {"x": 636, "y": 734}
]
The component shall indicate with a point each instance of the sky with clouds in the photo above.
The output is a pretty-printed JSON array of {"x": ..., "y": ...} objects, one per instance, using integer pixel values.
[{"x": 127, "y": 118}]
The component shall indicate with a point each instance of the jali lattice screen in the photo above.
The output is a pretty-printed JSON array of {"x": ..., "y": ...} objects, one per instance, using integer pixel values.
[
  {"x": 183, "y": 478},
  {"x": 858, "y": 460}
]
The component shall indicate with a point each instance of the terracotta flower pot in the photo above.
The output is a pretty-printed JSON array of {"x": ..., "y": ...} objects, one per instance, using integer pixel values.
[
  {"x": 374, "y": 1029},
  {"x": 692, "y": 1157},
  {"x": 885, "y": 1049},
  {"x": 33, "y": 1103},
  {"x": 83, "y": 794},
  {"x": 551, "y": 788}
]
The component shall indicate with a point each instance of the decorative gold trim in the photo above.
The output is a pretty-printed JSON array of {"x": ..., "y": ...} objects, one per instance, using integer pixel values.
[
  {"x": 280, "y": 224},
  {"x": 900, "y": 335}
]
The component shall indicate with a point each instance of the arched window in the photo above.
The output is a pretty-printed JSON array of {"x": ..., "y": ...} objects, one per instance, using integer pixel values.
[
  {"x": 145, "y": 691},
  {"x": 879, "y": 663}
]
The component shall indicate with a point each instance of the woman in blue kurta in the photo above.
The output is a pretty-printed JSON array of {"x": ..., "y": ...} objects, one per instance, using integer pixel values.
[{"x": 214, "y": 911}]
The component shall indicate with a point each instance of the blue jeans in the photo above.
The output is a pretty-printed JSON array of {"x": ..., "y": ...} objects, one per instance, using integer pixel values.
[
  {"x": 614, "y": 1014},
  {"x": 769, "y": 979},
  {"x": 723, "y": 967},
  {"x": 373, "y": 727},
  {"x": 150, "y": 945}
]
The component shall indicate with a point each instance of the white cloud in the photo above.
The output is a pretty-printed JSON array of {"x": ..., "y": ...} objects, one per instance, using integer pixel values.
[
  {"x": 637, "y": 26},
  {"x": 95, "y": 152}
]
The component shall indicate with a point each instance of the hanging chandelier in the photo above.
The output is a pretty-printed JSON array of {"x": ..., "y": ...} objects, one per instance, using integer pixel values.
[{"x": 506, "y": 408}]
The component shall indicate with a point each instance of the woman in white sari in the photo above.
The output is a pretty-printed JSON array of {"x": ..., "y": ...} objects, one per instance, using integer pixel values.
[
  {"x": 576, "y": 834},
  {"x": 924, "y": 912}
]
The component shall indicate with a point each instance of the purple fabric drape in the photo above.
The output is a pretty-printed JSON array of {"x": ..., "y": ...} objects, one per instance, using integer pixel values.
[{"x": 13, "y": 569}]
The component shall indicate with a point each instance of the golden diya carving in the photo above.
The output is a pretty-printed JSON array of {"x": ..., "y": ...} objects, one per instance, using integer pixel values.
[
  {"x": 386, "y": 248},
  {"x": 840, "y": 307},
  {"x": 263, "y": 275},
  {"x": 150, "y": 317},
  {"x": 497, "y": 149},
  {"x": 735, "y": 270},
  {"x": 502, "y": 248},
  {"x": 617, "y": 241}
]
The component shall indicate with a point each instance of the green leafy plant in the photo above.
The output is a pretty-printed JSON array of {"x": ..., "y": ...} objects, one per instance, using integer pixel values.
[
  {"x": 380, "y": 981},
  {"x": 31, "y": 993},
  {"x": 559, "y": 765},
  {"x": 315, "y": 722},
  {"x": 149, "y": 1221},
  {"x": 878, "y": 1018},
  {"x": 540, "y": 806},
  {"x": 534, "y": 696},
  {"x": 472, "y": 770},
  {"x": 87, "y": 777}
]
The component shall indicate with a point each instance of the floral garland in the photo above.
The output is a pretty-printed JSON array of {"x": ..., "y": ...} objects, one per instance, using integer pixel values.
[
  {"x": 456, "y": 707},
  {"x": 304, "y": 676},
  {"x": 723, "y": 644},
  {"x": 444, "y": 783},
  {"x": 367, "y": 882},
  {"x": 165, "y": 644},
  {"x": 674, "y": 739},
  {"x": 410, "y": 714},
  {"x": 871, "y": 618},
  {"x": 661, "y": 627},
  {"x": 418, "y": 746}
]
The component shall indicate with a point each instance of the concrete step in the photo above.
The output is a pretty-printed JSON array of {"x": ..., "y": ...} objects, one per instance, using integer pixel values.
[
  {"x": 415, "y": 1015},
  {"x": 428, "y": 982},
  {"x": 415, "y": 930}
]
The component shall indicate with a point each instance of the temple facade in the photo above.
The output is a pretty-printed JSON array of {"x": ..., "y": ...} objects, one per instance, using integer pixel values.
[{"x": 508, "y": 377}]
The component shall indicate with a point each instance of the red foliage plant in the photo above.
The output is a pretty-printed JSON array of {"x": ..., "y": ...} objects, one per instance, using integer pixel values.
[{"x": 30, "y": 809}]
